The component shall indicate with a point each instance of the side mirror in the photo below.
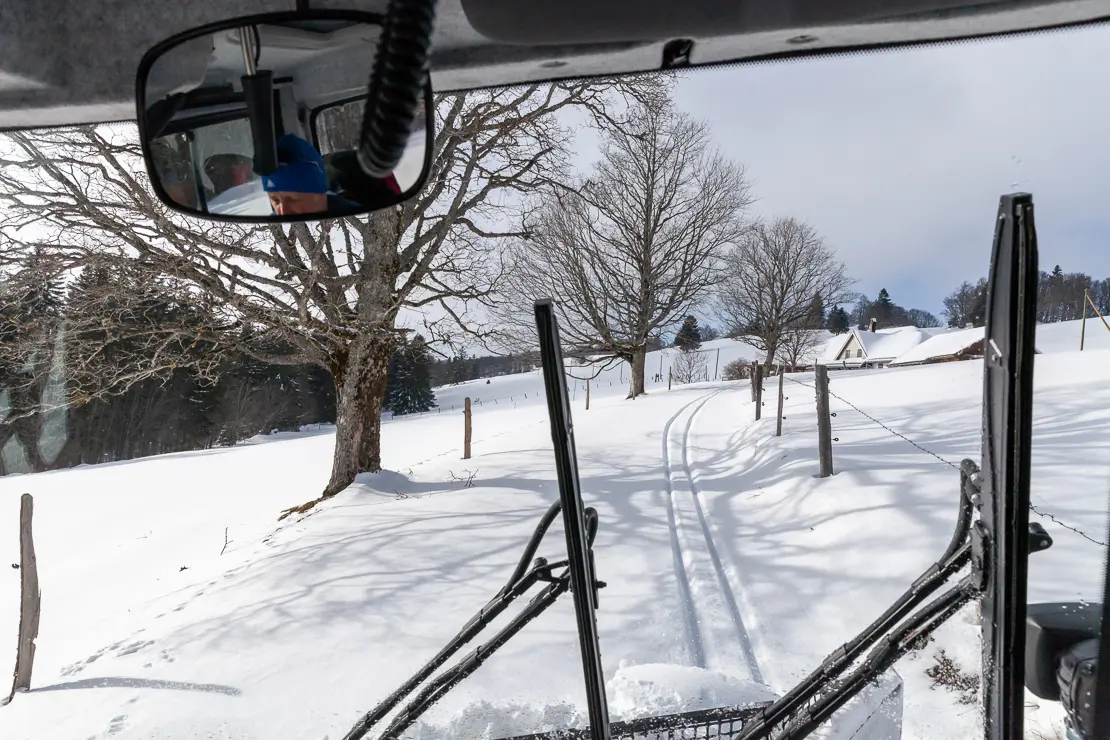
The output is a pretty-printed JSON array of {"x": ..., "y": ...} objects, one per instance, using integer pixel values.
[
  {"x": 1061, "y": 659},
  {"x": 259, "y": 119}
]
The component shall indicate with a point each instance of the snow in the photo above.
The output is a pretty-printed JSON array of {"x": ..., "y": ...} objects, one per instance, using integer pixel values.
[
  {"x": 152, "y": 628},
  {"x": 1064, "y": 336},
  {"x": 653, "y": 690},
  {"x": 648, "y": 690}
]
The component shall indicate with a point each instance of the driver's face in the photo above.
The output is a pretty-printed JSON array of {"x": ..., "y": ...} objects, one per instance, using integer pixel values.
[{"x": 298, "y": 204}]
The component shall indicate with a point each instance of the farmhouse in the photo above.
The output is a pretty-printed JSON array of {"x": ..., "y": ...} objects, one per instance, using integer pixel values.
[{"x": 871, "y": 348}]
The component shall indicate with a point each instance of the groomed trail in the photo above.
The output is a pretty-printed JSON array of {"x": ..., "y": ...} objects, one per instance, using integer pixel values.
[{"x": 716, "y": 636}]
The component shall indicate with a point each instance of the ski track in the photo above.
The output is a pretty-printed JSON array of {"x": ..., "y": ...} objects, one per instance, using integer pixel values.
[{"x": 716, "y": 636}]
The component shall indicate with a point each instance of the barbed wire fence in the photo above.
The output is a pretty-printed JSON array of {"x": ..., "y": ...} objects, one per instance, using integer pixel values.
[
  {"x": 949, "y": 463},
  {"x": 574, "y": 384}
]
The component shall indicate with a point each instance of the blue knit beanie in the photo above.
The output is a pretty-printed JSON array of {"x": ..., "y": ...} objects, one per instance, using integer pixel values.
[{"x": 301, "y": 169}]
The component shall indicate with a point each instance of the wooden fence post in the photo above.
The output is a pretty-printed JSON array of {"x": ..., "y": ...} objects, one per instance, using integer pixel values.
[
  {"x": 587, "y": 395},
  {"x": 1083, "y": 325},
  {"x": 30, "y": 601},
  {"x": 751, "y": 374},
  {"x": 717, "y": 364},
  {"x": 824, "y": 422},
  {"x": 669, "y": 376},
  {"x": 757, "y": 383},
  {"x": 466, "y": 428},
  {"x": 778, "y": 424},
  {"x": 1098, "y": 313}
]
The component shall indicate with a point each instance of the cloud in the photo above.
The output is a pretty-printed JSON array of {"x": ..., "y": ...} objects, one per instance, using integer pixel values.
[{"x": 898, "y": 158}]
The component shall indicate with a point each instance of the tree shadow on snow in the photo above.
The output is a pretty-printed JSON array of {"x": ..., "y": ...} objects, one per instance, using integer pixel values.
[
  {"x": 121, "y": 682},
  {"x": 379, "y": 571}
]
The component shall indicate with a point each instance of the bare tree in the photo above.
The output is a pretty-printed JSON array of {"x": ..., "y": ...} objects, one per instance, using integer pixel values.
[
  {"x": 798, "y": 347},
  {"x": 330, "y": 293},
  {"x": 630, "y": 250},
  {"x": 771, "y": 278},
  {"x": 689, "y": 367},
  {"x": 922, "y": 319}
]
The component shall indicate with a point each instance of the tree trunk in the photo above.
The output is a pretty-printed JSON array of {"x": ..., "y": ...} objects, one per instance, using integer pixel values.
[
  {"x": 360, "y": 388},
  {"x": 770, "y": 359},
  {"x": 636, "y": 380}
]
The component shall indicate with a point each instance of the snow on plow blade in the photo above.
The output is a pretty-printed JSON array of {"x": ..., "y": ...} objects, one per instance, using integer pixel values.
[
  {"x": 876, "y": 714},
  {"x": 722, "y": 722}
]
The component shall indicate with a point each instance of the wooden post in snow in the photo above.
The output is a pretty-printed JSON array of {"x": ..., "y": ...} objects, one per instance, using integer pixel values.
[
  {"x": 757, "y": 383},
  {"x": 669, "y": 376},
  {"x": 778, "y": 424},
  {"x": 587, "y": 394},
  {"x": 30, "y": 601},
  {"x": 824, "y": 422},
  {"x": 1083, "y": 325},
  {"x": 717, "y": 364},
  {"x": 1099, "y": 313},
  {"x": 752, "y": 375},
  {"x": 466, "y": 428}
]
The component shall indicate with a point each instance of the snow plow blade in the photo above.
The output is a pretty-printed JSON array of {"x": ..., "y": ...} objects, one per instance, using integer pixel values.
[{"x": 875, "y": 714}]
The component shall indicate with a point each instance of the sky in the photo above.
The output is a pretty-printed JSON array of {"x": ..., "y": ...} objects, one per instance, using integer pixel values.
[{"x": 898, "y": 158}]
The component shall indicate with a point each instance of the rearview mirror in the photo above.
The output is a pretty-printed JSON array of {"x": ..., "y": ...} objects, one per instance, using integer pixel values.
[{"x": 259, "y": 119}]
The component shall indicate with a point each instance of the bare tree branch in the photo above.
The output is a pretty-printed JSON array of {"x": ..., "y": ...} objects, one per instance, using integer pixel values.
[
  {"x": 329, "y": 293},
  {"x": 771, "y": 278},
  {"x": 630, "y": 250}
]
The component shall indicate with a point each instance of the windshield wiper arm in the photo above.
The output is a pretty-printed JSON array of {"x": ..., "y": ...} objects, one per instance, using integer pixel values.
[
  {"x": 955, "y": 557},
  {"x": 526, "y": 574}
]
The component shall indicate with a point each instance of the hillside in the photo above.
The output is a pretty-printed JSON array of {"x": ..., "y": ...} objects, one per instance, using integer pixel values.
[{"x": 176, "y": 607}]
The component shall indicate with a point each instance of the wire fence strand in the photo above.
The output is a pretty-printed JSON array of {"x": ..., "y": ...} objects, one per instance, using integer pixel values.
[{"x": 949, "y": 463}]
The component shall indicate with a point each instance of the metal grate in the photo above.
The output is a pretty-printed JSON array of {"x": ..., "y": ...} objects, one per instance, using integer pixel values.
[{"x": 723, "y": 723}]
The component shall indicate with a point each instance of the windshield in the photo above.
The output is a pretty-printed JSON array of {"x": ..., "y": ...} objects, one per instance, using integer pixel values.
[{"x": 275, "y": 470}]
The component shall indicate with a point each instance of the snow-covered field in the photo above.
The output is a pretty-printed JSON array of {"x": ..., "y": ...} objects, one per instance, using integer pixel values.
[{"x": 728, "y": 562}]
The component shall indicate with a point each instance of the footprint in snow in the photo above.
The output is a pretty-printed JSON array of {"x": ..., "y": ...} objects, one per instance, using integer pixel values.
[
  {"x": 74, "y": 668},
  {"x": 118, "y": 724},
  {"x": 134, "y": 647}
]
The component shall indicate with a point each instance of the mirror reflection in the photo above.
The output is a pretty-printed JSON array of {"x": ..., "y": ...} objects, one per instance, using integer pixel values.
[{"x": 262, "y": 121}]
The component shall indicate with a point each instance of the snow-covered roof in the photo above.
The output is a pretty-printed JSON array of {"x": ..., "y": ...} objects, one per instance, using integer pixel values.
[
  {"x": 941, "y": 345},
  {"x": 881, "y": 345}
]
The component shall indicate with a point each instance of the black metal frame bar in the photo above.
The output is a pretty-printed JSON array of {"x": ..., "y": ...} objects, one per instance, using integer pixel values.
[
  {"x": 1002, "y": 532},
  {"x": 583, "y": 582},
  {"x": 1102, "y": 680}
]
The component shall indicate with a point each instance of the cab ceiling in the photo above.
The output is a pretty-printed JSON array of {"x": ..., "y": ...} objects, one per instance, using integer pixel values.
[{"x": 74, "y": 61}]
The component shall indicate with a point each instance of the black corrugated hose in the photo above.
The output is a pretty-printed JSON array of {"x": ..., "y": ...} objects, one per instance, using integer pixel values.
[{"x": 396, "y": 84}]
